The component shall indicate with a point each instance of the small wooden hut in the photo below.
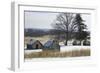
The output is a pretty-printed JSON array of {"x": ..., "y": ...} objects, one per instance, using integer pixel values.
[
  {"x": 52, "y": 45},
  {"x": 34, "y": 44}
]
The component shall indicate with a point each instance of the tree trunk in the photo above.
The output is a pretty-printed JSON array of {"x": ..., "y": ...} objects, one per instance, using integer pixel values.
[
  {"x": 66, "y": 42},
  {"x": 81, "y": 42}
]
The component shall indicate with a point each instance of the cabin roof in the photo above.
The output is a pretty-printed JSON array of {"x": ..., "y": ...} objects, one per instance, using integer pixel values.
[
  {"x": 32, "y": 41},
  {"x": 48, "y": 43}
]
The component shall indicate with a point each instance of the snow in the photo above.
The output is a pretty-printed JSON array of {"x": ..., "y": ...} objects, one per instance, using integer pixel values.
[
  {"x": 62, "y": 49},
  {"x": 70, "y": 48},
  {"x": 30, "y": 51}
]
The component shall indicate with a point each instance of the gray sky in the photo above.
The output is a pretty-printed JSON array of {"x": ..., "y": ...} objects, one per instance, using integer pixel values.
[
  {"x": 43, "y": 20},
  {"x": 40, "y": 20}
]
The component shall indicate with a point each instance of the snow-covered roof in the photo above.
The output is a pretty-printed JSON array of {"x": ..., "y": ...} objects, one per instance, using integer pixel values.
[{"x": 48, "y": 43}]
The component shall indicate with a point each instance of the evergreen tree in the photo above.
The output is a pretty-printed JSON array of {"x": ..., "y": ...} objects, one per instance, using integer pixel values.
[{"x": 81, "y": 34}]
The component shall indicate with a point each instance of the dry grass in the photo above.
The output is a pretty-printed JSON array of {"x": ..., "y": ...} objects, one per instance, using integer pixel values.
[{"x": 48, "y": 54}]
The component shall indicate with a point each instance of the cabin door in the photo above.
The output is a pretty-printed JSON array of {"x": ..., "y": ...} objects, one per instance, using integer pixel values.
[{"x": 37, "y": 46}]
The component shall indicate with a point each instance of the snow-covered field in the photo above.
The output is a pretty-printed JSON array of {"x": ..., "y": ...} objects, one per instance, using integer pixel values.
[
  {"x": 62, "y": 49},
  {"x": 70, "y": 48},
  {"x": 30, "y": 51}
]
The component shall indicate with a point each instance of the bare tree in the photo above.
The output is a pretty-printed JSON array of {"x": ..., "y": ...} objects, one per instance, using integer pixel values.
[{"x": 65, "y": 22}]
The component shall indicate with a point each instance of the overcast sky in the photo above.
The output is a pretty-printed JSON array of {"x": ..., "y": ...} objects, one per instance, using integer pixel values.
[{"x": 43, "y": 20}]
